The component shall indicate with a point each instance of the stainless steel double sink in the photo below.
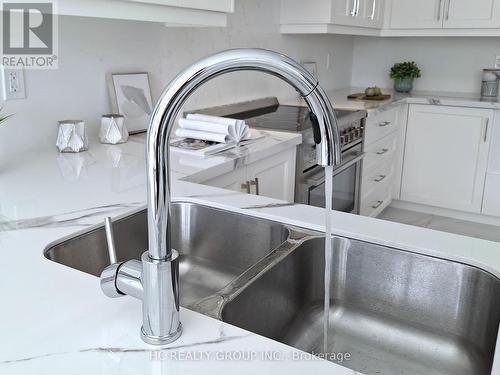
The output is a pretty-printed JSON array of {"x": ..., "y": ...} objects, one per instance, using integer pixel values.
[{"x": 392, "y": 311}]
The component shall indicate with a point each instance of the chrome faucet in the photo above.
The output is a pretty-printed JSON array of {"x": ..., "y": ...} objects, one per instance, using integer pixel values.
[{"x": 155, "y": 279}]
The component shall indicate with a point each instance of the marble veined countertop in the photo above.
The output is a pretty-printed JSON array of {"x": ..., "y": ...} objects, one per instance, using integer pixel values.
[
  {"x": 340, "y": 101},
  {"x": 55, "y": 320}
]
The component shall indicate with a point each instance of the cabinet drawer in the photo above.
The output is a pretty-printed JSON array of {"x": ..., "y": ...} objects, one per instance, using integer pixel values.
[
  {"x": 380, "y": 125},
  {"x": 380, "y": 152},
  {"x": 376, "y": 199},
  {"x": 377, "y": 176}
]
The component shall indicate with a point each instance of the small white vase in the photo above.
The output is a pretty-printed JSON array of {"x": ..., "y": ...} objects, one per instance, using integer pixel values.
[
  {"x": 113, "y": 129},
  {"x": 71, "y": 136}
]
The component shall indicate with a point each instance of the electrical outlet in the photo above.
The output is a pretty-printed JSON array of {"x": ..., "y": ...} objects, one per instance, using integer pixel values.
[
  {"x": 497, "y": 62},
  {"x": 13, "y": 84}
]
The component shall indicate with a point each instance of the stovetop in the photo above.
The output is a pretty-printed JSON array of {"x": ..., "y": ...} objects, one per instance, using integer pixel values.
[
  {"x": 291, "y": 118},
  {"x": 268, "y": 113}
]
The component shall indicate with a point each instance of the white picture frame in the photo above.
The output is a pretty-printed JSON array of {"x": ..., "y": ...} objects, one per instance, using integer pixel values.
[{"x": 130, "y": 96}]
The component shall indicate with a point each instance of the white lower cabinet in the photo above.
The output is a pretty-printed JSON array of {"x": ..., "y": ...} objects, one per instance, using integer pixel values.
[
  {"x": 272, "y": 177},
  {"x": 376, "y": 197},
  {"x": 446, "y": 156},
  {"x": 381, "y": 142},
  {"x": 491, "y": 201},
  {"x": 234, "y": 181}
]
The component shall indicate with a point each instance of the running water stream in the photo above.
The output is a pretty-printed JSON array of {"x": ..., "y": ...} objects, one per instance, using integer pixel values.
[{"x": 328, "y": 251}]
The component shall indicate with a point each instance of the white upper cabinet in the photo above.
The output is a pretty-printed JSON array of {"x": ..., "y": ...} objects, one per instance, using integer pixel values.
[
  {"x": 325, "y": 15},
  {"x": 446, "y": 156},
  {"x": 169, "y": 12},
  {"x": 372, "y": 12},
  {"x": 343, "y": 12},
  {"x": 421, "y": 14},
  {"x": 459, "y": 14},
  {"x": 448, "y": 14},
  {"x": 358, "y": 13},
  {"x": 391, "y": 17}
]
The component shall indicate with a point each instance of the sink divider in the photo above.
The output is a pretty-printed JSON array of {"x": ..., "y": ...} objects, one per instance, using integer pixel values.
[{"x": 214, "y": 304}]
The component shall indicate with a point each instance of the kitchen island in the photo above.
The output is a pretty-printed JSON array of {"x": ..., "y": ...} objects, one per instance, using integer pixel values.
[{"x": 56, "y": 320}]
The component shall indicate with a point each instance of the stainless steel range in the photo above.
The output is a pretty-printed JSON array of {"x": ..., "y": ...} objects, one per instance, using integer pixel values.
[{"x": 310, "y": 178}]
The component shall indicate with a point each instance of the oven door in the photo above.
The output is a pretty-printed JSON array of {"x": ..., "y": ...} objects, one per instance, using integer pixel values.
[{"x": 346, "y": 184}]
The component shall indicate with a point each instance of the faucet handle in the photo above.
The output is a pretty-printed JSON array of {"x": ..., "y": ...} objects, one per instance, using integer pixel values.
[
  {"x": 110, "y": 239},
  {"x": 108, "y": 275}
]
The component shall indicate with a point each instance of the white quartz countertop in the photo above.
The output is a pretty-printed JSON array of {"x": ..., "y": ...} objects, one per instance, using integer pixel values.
[
  {"x": 55, "y": 320},
  {"x": 340, "y": 101}
]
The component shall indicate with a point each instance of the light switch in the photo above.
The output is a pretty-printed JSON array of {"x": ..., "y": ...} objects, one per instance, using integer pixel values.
[{"x": 13, "y": 84}]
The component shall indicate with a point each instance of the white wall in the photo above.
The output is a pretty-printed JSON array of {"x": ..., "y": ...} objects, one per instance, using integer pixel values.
[
  {"x": 90, "y": 48},
  {"x": 448, "y": 64}
]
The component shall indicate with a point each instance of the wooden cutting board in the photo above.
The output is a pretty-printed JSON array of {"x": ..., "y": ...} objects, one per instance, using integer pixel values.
[{"x": 362, "y": 96}]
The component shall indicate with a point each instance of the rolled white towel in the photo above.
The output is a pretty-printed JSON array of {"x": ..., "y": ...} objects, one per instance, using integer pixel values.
[
  {"x": 203, "y": 126},
  {"x": 212, "y": 128},
  {"x": 238, "y": 129},
  {"x": 202, "y": 135},
  {"x": 215, "y": 119}
]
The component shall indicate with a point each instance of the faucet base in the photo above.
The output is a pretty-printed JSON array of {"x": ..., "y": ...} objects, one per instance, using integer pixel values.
[
  {"x": 161, "y": 340},
  {"x": 160, "y": 302}
]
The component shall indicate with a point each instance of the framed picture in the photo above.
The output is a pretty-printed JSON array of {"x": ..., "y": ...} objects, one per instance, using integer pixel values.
[{"x": 130, "y": 96}]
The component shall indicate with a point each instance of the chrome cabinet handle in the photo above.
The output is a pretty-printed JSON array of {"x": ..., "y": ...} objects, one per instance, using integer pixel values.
[
  {"x": 374, "y": 7},
  {"x": 246, "y": 186},
  {"x": 378, "y": 204},
  {"x": 486, "y": 129},
  {"x": 256, "y": 184},
  {"x": 354, "y": 8},
  {"x": 439, "y": 10},
  {"x": 384, "y": 123},
  {"x": 448, "y": 11},
  {"x": 110, "y": 239},
  {"x": 357, "y": 7},
  {"x": 383, "y": 151},
  {"x": 380, "y": 178}
]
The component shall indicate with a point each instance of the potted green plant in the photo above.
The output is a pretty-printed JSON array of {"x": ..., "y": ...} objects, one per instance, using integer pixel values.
[{"x": 404, "y": 74}]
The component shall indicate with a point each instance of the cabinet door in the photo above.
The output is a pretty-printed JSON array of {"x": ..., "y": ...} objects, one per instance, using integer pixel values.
[
  {"x": 300, "y": 12},
  {"x": 491, "y": 203},
  {"x": 371, "y": 13},
  {"x": 445, "y": 156},
  {"x": 346, "y": 12},
  {"x": 274, "y": 176},
  {"x": 231, "y": 181},
  {"x": 471, "y": 14},
  {"x": 421, "y": 14}
]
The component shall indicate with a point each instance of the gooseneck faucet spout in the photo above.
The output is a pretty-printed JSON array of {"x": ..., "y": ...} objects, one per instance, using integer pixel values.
[{"x": 155, "y": 279}]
